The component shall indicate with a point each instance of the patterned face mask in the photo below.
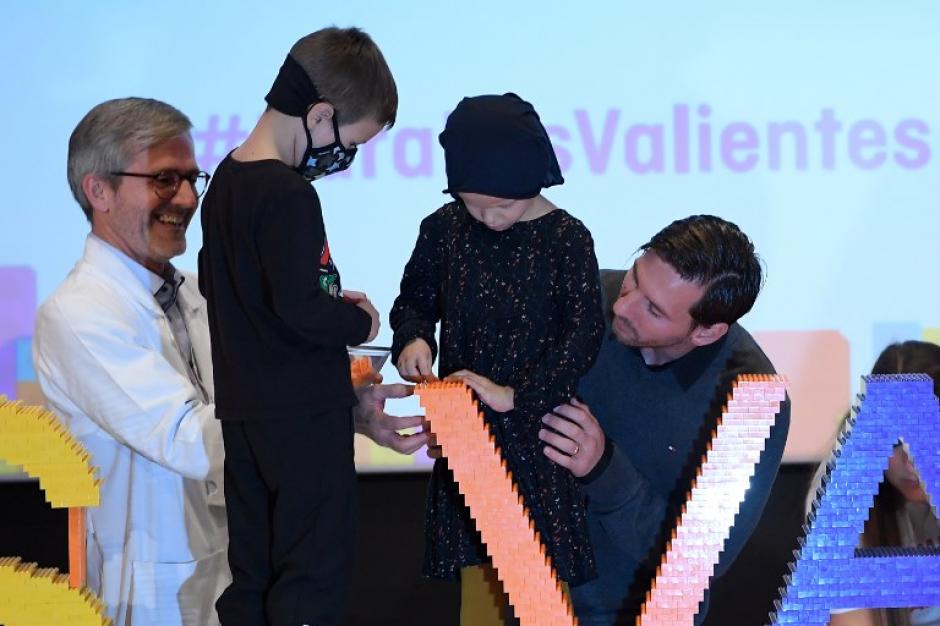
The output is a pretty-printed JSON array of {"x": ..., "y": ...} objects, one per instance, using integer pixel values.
[{"x": 331, "y": 158}]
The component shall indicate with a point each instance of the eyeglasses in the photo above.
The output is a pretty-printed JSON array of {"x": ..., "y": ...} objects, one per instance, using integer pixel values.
[{"x": 166, "y": 183}]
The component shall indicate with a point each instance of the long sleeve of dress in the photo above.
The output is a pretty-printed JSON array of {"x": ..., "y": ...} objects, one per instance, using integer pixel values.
[
  {"x": 553, "y": 380},
  {"x": 417, "y": 309}
]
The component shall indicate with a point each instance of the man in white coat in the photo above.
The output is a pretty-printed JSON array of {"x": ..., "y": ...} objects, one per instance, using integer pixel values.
[{"x": 122, "y": 353}]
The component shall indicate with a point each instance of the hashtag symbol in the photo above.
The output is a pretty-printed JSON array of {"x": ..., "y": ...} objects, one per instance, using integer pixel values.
[{"x": 212, "y": 135}]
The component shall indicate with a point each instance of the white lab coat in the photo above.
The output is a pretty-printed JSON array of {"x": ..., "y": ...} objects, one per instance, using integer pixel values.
[{"x": 109, "y": 367}]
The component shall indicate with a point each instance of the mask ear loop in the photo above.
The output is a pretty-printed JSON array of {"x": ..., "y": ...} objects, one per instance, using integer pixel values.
[
  {"x": 350, "y": 152},
  {"x": 336, "y": 138},
  {"x": 307, "y": 128}
]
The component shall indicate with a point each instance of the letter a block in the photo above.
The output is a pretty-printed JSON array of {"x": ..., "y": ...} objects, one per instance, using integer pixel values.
[{"x": 830, "y": 572}]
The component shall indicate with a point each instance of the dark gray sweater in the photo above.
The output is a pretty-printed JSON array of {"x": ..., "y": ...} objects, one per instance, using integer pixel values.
[{"x": 657, "y": 420}]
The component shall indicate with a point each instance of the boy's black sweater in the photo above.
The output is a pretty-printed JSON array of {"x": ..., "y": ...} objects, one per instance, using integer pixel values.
[{"x": 278, "y": 324}]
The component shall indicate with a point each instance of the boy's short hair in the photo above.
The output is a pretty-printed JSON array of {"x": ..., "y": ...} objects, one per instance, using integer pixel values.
[{"x": 350, "y": 73}]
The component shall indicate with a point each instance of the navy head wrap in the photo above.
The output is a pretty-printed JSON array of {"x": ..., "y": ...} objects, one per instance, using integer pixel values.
[
  {"x": 292, "y": 92},
  {"x": 497, "y": 146}
]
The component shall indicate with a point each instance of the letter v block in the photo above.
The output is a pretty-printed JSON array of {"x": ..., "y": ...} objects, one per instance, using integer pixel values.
[
  {"x": 501, "y": 518},
  {"x": 717, "y": 492},
  {"x": 830, "y": 572}
]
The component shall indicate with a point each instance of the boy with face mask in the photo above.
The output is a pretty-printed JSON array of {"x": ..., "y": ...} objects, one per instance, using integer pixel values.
[{"x": 280, "y": 323}]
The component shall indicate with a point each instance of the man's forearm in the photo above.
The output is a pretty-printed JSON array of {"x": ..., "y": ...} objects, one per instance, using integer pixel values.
[{"x": 630, "y": 510}]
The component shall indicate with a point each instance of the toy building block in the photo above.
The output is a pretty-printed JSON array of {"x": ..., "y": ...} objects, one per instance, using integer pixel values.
[
  {"x": 77, "y": 547},
  {"x": 830, "y": 571},
  {"x": 33, "y": 596},
  {"x": 360, "y": 368},
  {"x": 34, "y": 439},
  {"x": 495, "y": 505},
  {"x": 717, "y": 491}
]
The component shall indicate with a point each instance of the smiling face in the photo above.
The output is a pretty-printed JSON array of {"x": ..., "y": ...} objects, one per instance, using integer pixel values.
[
  {"x": 131, "y": 217},
  {"x": 500, "y": 213}
]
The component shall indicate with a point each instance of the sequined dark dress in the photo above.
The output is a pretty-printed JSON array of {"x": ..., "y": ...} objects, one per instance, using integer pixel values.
[{"x": 521, "y": 307}]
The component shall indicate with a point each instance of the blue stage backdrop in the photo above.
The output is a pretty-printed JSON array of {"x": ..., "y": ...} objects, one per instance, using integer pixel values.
[{"x": 814, "y": 126}]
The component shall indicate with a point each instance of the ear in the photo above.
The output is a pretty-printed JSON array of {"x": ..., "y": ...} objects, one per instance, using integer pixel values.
[
  {"x": 99, "y": 192},
  {"x": 704, "y": 335},
  {"x": 320, "y": 112}
]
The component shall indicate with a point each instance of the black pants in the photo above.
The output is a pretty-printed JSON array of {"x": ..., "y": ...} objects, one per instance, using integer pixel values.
[{"x": 290, "y": 492}]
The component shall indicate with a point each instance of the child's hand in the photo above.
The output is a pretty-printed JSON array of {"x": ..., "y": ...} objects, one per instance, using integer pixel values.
[
  {"x": 414, "y": 362},
  {"x": 497, "y": 397},
  {"x": 362, "y": 301}
]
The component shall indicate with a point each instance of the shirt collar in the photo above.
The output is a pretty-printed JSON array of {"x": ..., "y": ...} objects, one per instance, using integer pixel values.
[
  {"x": 151, "y": 282},
  {"x": 169, "y": 288},
  {"x": 687, "y": 369},
  {"x": 690, "y": 367}
]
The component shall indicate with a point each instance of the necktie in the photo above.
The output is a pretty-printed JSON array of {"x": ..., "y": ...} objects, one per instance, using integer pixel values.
[
  {"x": 166, "y": 294},
  {"x": 166, "y": 297}
]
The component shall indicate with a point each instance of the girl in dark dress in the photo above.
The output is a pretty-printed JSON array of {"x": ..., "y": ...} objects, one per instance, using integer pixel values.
[{"x": 513, "y": 280}]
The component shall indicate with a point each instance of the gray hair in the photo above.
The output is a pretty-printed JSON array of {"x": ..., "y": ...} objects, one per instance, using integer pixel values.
[{"x": 112, "y": 133}]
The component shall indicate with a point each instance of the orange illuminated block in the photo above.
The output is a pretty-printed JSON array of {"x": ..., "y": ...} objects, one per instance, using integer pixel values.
[
  {"x": 361, "y": 371},
  {"x": 505, "y": 528},
  {"x": 77, "y": 539},
  {"x": 705, "y": 523}
]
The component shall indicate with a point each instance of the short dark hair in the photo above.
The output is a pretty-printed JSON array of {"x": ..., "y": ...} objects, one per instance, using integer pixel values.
[
  {"x": 350, "y": 73},
  {"x": 714, "y": 253}
]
